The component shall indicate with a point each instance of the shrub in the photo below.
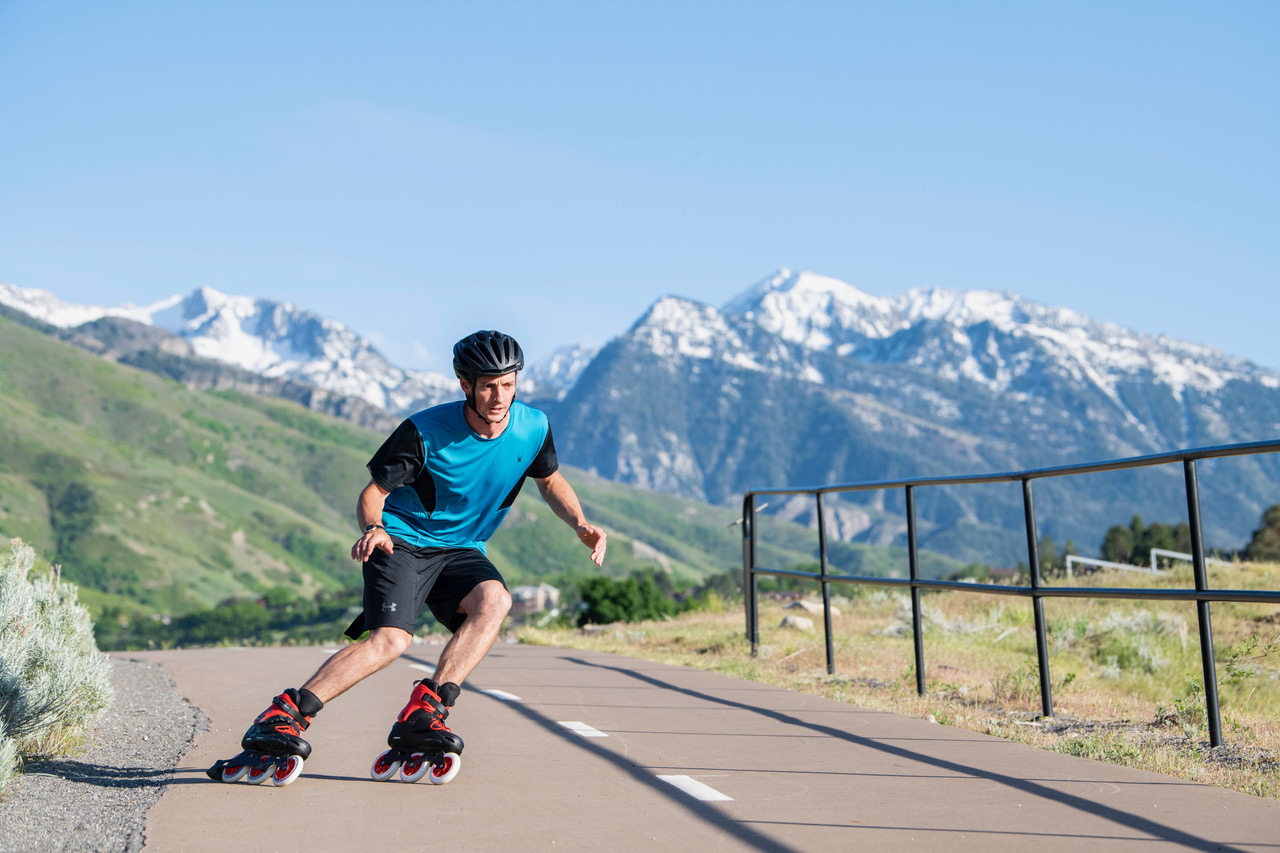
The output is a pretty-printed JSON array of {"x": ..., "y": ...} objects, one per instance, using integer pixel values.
[
  {"x": 53, "y": 679},
  {"x": 631, "y": 600},
  {"x": 8, "y": 757},
  {"x": 1265, "y": 544}
]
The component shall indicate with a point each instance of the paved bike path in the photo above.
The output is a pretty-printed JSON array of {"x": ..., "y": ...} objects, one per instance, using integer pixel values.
[{"x": 658, "y": 758}]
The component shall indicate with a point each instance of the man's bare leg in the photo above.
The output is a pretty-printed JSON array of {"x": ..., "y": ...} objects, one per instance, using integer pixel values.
[
  {"x": 486, "y": 606},
  {"x": 356, "y": 662}
]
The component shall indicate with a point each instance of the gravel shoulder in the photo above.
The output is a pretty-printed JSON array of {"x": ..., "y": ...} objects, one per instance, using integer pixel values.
[{"x": 98, "y": 800}]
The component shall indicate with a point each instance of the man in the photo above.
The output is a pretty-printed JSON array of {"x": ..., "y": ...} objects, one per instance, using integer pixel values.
[{"x": 440, "y": 486}]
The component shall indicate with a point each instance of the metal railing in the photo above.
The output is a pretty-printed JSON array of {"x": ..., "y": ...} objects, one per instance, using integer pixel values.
[{"x": 1037, "y": 591}]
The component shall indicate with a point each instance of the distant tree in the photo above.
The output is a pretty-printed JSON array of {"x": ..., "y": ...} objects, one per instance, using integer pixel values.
[
  {"x": 631, "y": 600},
  {"x": 725, "y": 584},
  {"x": 73, "y": 510},
  {"x": 1119, "y": 541},
  {"x": 1156, "y": 536},
  {"x": 278, "y": 597},
  {"x": 1264, "y": 547},
  {"x": 1133, "y": 544},
  {"x": 1182, "y": 537},
  {"x": 1051, "y": 563}
]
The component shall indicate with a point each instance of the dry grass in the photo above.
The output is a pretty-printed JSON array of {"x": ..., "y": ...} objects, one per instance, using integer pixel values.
[{"x": 1125, "y": 675}]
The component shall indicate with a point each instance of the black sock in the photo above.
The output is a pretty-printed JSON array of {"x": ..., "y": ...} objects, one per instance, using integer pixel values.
[{"x": 309, "y": 703}]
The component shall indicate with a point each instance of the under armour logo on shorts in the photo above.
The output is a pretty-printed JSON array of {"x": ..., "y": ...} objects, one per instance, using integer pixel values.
[{"x": 389, "y": 607}]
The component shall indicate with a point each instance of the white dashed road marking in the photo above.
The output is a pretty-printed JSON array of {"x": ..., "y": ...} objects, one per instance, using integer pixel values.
[
  {"x": 503, "y": 695},
  {"x": 696, "y": 789},
  {"x": 429, "y": 670},
  {"x": 582, "y": 729}
]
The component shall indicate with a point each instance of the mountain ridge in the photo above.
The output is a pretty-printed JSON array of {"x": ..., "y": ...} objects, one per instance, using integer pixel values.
[{"x": 707, "y": 402}]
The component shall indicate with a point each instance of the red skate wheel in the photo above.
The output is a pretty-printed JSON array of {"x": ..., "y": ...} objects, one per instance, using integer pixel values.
[
  {"x": 288, "y": 771},
  {"x": 258, "y": 775},
  {"x": 415, "y": 767},
  {"x": 234, "y": 772},
  {"x": 446, "y": 769},
  {"x": 383, "y": 767}
]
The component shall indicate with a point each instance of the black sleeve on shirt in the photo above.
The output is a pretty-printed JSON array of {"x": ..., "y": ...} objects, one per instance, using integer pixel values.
[
  {"x": 400, "y": 458},
  {"x": 545, "y": 463}
]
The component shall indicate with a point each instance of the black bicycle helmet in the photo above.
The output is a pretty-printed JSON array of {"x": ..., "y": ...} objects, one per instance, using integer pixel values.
[{"x": 486, "y": 354}]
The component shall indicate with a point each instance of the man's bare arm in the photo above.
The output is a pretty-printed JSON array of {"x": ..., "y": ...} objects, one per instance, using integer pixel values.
[
  {"x": 563, "y": 500},
  {"x": 369, "y": 511}
]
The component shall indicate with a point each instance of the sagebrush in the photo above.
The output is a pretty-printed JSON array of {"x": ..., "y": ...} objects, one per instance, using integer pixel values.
[{"x": 53, "y": 679}]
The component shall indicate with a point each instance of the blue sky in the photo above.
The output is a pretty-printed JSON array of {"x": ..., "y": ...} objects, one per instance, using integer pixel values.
[{"x": 422, "y": 169}]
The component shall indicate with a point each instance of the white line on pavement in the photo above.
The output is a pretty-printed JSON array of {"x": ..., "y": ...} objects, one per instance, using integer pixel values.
[
  {"x": 503, "y": 695},
  {"x": 696, "y": 789},
  {"x": 429, "y": 670},
  {"x": 582, "y": 729}
]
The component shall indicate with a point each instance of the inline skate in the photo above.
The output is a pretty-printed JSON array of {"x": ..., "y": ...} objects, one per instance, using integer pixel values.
[
  {"x": 421, "y": 744},
  {"x": 273, "y": 745}
]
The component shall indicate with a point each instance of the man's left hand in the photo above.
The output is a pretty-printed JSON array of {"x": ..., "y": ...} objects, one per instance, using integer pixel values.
[{"x": 594, "y": 538}]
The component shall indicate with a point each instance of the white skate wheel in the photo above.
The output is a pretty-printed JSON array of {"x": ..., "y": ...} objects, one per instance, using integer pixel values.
[
  {"x": 288, "y": 771},
  {"x": 446, "y": 769},
  {"x": 258, "y": 775},
  {"x": 234, "y": 772},
  {"x": 415, "y": 767},
  {"x": 383, "y": 768}
]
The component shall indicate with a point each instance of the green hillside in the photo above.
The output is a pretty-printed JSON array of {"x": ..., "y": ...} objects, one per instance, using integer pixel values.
[
  {"x": 158, "y": 499},
  {"x": 163, "y": 502}
]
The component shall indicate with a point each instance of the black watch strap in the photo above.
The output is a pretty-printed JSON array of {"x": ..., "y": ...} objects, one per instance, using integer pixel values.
[{"x": 369, "y": 527}]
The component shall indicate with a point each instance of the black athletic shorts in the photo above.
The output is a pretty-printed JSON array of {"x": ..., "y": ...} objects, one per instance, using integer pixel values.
[{"x": 396, "y": 585}]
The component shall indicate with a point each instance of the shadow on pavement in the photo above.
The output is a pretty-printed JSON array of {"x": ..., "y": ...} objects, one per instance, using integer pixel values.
[
  {"x": 704, "y": 811},
  {"x": 1127, "y": 819},
  {"x": 101, "y": 774}
]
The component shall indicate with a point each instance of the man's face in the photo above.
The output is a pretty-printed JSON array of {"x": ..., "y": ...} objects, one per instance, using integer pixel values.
[{"x": 493, "y": 395}]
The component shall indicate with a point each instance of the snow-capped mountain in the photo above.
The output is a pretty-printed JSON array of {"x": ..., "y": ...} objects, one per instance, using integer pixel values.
[
  {"x": 986, "y": 332},
  {"x": 281, "y": 341},
  {"x": 805, "y": 380},
  {"x": 274, "y": 339},
  {"x": 554, "y": 375},
  {"x": 48, "y": 308}
]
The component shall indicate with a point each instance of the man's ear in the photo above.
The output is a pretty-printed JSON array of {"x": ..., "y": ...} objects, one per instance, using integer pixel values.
[{"x": 466, "y": 386}]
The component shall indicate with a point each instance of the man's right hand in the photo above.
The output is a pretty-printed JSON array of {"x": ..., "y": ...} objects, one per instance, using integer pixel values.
[
  {"x": 365, "y": 545},
  {"x": 369, "y": 516}
]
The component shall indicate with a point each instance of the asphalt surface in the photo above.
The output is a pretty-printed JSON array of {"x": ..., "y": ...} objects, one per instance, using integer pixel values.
[{"x": 572, "y": 750}]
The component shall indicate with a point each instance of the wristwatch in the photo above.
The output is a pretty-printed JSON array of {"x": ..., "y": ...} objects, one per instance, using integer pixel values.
[{"x": 369, "y": 527}]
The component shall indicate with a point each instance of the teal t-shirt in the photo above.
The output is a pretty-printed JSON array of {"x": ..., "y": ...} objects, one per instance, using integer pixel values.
[{"x": 449, "y": 487}]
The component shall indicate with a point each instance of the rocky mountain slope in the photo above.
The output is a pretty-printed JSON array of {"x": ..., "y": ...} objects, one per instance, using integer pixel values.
[{"x": 805, "y": 380}]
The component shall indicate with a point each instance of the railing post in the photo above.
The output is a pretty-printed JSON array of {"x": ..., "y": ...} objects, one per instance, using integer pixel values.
[
  {"x": 748, "y": 571},
  {"x": 913, "y": 563},
  {"x": 1037, "y": 603},
  {"x": 1212, "y": 709},
  {"x": 826, "y": 586}
]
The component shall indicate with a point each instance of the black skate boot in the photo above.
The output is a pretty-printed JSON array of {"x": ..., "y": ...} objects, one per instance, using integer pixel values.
[
  {"x": 421, "y": 744},
  {"x": 273, "y": 745}
]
